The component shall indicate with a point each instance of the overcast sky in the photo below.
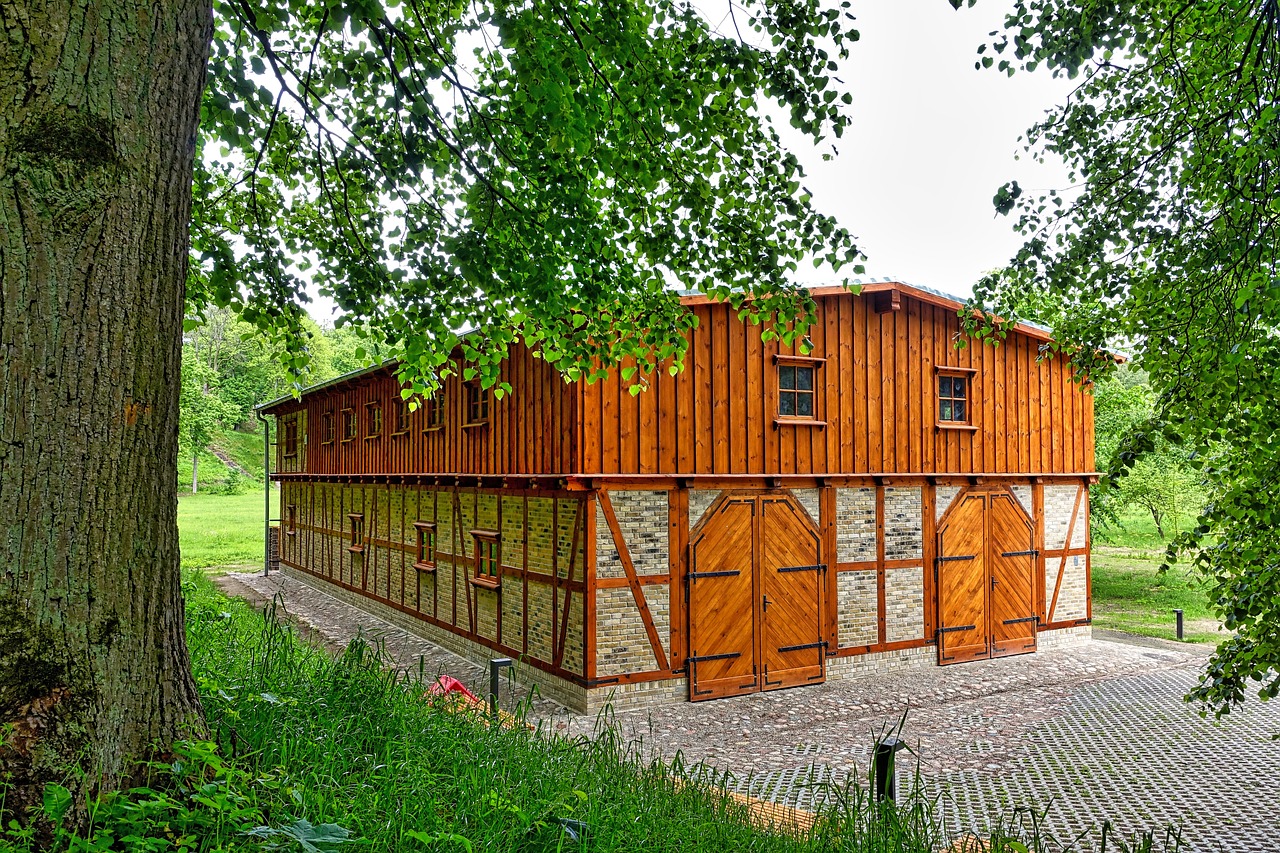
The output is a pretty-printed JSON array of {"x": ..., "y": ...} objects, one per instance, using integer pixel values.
[{"x": 932, "y": 140}]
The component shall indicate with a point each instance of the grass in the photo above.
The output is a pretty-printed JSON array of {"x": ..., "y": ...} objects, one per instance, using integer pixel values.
[
  {"x": 222, "y": 530},
  {"x": 245, "y": 448},
  {"x": 242, "y": 448},
  {"x": 312, "y": 752},
  {"x": 1130, "y": 594}
]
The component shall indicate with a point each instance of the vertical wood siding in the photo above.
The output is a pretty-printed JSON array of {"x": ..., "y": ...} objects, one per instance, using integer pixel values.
[
  {"x": 876, "y": 394},
  {"x": 530, "y": 431}
]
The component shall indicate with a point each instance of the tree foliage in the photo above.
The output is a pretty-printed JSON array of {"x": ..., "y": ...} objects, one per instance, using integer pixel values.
[
  {"x": 543, "y": 171},
  {"x": 1168, "y": 242},
  {"x": 1161, "y": 482}
]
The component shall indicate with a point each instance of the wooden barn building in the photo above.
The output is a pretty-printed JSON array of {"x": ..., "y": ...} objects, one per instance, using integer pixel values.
[{"x": 765, "y": 519}]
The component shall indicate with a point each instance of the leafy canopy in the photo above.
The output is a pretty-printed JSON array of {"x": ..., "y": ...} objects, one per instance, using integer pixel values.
[
  {"x": 544, "y": 171},
  {"x": 1168, "y": 244}
]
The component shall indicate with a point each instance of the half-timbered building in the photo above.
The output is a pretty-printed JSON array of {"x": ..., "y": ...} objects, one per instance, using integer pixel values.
[{"x": 766, "y": 518}]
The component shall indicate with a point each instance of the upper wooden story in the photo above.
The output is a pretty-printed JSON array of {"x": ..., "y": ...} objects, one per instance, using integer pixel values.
[{"x": 884, "y": 390}]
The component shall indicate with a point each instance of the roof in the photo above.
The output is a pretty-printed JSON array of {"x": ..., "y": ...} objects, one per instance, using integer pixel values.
[{"x": 693, "y": 297}]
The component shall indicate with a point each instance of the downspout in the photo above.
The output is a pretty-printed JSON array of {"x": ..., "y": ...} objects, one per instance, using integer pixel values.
[{"x": 266, "y": 494}]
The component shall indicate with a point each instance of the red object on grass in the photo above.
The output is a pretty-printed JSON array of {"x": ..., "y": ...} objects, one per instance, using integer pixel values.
[{"x": 447, "y": 684}]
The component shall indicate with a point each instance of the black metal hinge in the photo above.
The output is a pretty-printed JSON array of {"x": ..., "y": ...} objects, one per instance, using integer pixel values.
[
  {"x": 1023, "y": 619},
  {"x": 1032, "y": 553},
  {"x": 955, "y": 559},
  {"x": 701, "y": 658},
  {"x": 820, "y": 567},
  {"x": 956, "y": 628},
  {"x": 821, "y": 644}
]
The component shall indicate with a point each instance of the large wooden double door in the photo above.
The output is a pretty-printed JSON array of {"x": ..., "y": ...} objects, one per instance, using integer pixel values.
[
  {"x": 755, "y": 593},
  {"x": 985, "y": 579}
]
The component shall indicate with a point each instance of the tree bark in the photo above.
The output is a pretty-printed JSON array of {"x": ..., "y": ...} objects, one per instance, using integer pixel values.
[
  {"x": 195, "y": 472},
  {"x": 97, "y": 129}
]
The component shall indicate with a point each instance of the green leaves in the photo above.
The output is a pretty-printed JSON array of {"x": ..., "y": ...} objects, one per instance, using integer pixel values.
[
  {"x": 555, "y": 186},
  {"x": 1168, "y": 246}
]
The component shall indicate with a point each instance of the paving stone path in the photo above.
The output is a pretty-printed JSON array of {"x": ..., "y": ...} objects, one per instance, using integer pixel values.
[{"x": 1091, "y": 732}]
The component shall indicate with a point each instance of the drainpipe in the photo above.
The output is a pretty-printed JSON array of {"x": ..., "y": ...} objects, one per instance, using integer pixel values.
[{"x": 266, "y": 494}]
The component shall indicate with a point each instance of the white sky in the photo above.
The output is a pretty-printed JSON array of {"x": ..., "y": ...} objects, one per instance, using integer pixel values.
[{"x": 932, "y": 140}]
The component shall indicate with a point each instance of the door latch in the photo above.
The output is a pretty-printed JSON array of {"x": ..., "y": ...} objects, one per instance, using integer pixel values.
[{"x": 764, "y": 603}]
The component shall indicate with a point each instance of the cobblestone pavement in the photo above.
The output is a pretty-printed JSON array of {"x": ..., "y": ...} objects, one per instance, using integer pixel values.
[{"x": 1092, "y": 731}]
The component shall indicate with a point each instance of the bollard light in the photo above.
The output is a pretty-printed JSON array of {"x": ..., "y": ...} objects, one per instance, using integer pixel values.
[
  {"x": 1178, "y": 615},
  {"x": 886, "y": 783},
  {"x": 496, "y": 665}
]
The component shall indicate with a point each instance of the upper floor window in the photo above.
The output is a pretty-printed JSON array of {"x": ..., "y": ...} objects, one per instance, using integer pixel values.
[
  {"x": 435, "y": 410},
  {"x": 477, "y": 403},
  {"x": 796, "y": 382},
  {"x": 372, "y": 420},
  {"x": 291, "y": 437},
  {"x": 327, "y": 418},
  {"x": 953, "y": 399},
  {"x": 401, "y": 407},
  {"x": 350, "y": 429},
  {"x": 488, "y": 565}
]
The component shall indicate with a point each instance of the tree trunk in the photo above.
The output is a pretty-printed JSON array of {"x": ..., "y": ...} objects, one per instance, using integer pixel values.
[
  {"x": 195, "y": 472},
  {"x": 101, "y": 100}
]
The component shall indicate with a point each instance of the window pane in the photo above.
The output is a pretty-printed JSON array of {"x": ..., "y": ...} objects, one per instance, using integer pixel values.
[
  {"x": 787, "y": 377},
  {"x": 959, "y": 410},
  {"x": 958, "y": 386},
  {"x": 944, "y": 386},
  {"x": 804, "y": 405},
  {"x": 787, "y": 403},
  {"x": 944, "y": 412},
  {"x": 804, "y": 378}
]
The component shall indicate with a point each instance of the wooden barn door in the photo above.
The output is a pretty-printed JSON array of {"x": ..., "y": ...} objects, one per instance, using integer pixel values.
[
  {"x": 791, "y": 644},
  {"x": 962, "y": 582},
  {"x": 722, "y": 616},
  {"x": 985, "y": 579},
  {"x": 755, "y": 599},
  {"x": 1013, "y": 588}
]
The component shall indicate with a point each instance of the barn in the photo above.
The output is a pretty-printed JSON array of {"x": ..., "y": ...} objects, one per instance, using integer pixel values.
[{"x": 765, "y": 519}]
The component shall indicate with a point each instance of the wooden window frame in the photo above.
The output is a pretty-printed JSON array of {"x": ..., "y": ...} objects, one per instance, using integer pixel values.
[
  {"x": 357, "y": 532},
  {"x": 291, "y": 520},
  {"x": 350, "y": 425},
  {"x": 370, "y": 408},
  {"x": 402, "y": 413},
  {"x": 330, "y": 430},
  {"x": 797, "y": 420},
  {"x": 477, "y": 397},
  {"x": 487, "y": 547},
  {"x": 965, "y": 373},
  {"x": 435, "y": 413},
  {"x": 424, "y": 555},
  {"x": 291, "y": 437}
]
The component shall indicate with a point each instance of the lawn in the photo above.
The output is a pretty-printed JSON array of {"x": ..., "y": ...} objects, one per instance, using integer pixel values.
[
  {"x": 222, "y": 530},
  {"x": 1131, "y": 594}
]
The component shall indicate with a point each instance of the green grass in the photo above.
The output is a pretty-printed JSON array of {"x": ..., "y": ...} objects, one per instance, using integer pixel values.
[
  {"x": 1131, "y": 594},
  {"x": 1135, "y": 528},
  {"x": 347, "y": 755},
  {"x": 244, "y": 448},
  {"x": 222, "y": 530}
]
